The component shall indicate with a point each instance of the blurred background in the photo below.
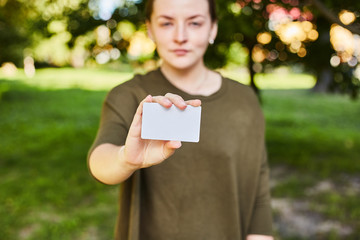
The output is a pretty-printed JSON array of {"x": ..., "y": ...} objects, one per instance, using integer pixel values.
[{"x": 59, "y": 58}]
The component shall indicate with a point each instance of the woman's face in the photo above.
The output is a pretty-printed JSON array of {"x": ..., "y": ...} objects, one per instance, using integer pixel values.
[{"x": 181, "y": 30}]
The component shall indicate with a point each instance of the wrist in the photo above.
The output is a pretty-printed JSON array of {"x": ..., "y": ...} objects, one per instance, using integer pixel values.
[{"x": 124, "y": 161}]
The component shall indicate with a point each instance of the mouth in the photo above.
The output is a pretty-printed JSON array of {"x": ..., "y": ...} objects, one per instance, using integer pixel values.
[{"x": 180, "y": 52}]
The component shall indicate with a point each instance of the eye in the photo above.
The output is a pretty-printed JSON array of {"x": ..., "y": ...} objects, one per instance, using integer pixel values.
[
  {"x": 165, "y": 24},
  {"x": 195, "y": 23}
]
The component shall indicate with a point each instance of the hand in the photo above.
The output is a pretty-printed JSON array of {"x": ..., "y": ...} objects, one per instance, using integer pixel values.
[
  {"x": 259, "y": 237},
  {"x": 143, "y": 153}
]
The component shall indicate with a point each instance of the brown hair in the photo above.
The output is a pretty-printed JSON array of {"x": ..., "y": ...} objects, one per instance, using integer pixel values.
[{"x": 150, "y": 4}]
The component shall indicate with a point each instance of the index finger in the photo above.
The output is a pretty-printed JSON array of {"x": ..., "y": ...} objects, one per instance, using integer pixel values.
[
  {"x": 194, "y": 102},
  {"x": 177, "y": 100}
]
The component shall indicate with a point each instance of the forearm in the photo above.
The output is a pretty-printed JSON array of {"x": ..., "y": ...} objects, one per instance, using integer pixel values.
[
  {"x": 107, "y": 164},
  {"x": 261, "y": 222}
]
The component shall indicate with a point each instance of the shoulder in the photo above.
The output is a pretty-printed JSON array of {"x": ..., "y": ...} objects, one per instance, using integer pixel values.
[
  {"x": 240, "y": 90},
  {"x": 243, "y": 97},
  {"x": 133, "y": 87},
  {"x": 130, "y": 85}
]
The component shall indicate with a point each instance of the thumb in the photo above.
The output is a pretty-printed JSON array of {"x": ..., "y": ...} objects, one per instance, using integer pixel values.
[{"x": 135, "y": 127}]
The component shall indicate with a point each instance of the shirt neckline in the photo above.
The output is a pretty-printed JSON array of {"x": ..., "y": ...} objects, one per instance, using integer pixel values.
[{"x": 188, "y": 96}]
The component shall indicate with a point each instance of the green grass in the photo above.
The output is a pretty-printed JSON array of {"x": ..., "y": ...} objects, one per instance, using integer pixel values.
[
  {"x": 46, "y": 192},
  {"x": 313, "y": 132},
  {"x": 315, "y": 137},
  {"x": 48, "y": 123}
]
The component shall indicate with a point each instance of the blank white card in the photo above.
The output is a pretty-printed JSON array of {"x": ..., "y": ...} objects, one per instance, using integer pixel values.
[{"x": 160, "y": 123}]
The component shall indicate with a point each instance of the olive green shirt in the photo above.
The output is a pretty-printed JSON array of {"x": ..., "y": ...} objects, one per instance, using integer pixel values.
[{"x": 215, "y": 189}]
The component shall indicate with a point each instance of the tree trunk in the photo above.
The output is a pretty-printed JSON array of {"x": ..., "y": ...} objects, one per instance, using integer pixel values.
[
  {"x": 324, "y": 80},
  {"x": 252, "y": 72}
]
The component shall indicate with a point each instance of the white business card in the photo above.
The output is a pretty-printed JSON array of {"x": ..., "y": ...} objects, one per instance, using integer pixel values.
[{"x": 160, "y": 123}]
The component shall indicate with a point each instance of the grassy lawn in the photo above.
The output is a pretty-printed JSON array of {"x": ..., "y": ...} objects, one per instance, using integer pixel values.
[
  {"x": 313, "y": 143},
  {"x": 48, "y": 123}
]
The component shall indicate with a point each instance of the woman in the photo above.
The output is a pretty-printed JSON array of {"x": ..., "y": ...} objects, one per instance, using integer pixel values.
[{"x": 214, "y": 189}]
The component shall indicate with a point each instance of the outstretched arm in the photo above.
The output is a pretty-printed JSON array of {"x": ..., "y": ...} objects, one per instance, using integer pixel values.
[{"x": 113, "y": 164}]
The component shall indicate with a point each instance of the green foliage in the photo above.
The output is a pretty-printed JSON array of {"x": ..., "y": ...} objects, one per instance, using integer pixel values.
[{"x": 13, "y": 31}]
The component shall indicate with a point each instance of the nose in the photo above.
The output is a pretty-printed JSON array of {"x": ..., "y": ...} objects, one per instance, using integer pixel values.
[{"x": 180, "y": 35}]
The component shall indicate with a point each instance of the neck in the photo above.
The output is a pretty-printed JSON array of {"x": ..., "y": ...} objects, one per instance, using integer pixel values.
[{"x": 191, "y": 80}]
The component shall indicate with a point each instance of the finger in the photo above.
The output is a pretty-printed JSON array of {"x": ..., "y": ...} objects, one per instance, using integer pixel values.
[
  {"x": 177, "y": 100},
  {"x": 136, "y": 123},
  {"x": 194, "y": 102},
  {"x": 170, "y": 147},
  {"x": 173, "y": 144},
  {"x": 162, "y": 100}
]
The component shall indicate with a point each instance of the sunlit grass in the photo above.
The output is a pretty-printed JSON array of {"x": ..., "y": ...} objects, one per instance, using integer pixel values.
[
  {"x": 285, "y": 81},
  {"x": 103, "y": 79},
  {"x": 277, "y": 80},
  {"x": 65, "y": 78}
]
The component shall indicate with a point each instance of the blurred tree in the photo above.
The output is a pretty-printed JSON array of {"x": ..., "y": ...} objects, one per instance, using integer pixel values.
[
  {"x": 284, "y": 32},
  {"x": 289, "y": 32},
  {"x": 336, "y": 55},
  {"x": 42, "y": 29},
  {"x": 14, "y": 31},
  {"x": 272, "y": 32}
]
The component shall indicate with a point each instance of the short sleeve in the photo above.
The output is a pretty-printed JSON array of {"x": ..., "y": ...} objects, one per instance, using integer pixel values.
[
  {"x": 261, "y": 221},
  {"x": 117, "y": 114}
]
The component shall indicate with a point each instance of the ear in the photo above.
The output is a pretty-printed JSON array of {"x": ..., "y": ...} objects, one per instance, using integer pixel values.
[
  {"x": 213, "y": 31},
  {"x": 149, "y": 30}
]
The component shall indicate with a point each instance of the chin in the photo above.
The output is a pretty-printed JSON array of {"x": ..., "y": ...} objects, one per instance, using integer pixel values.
[{"x": 184, "y": 63}]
